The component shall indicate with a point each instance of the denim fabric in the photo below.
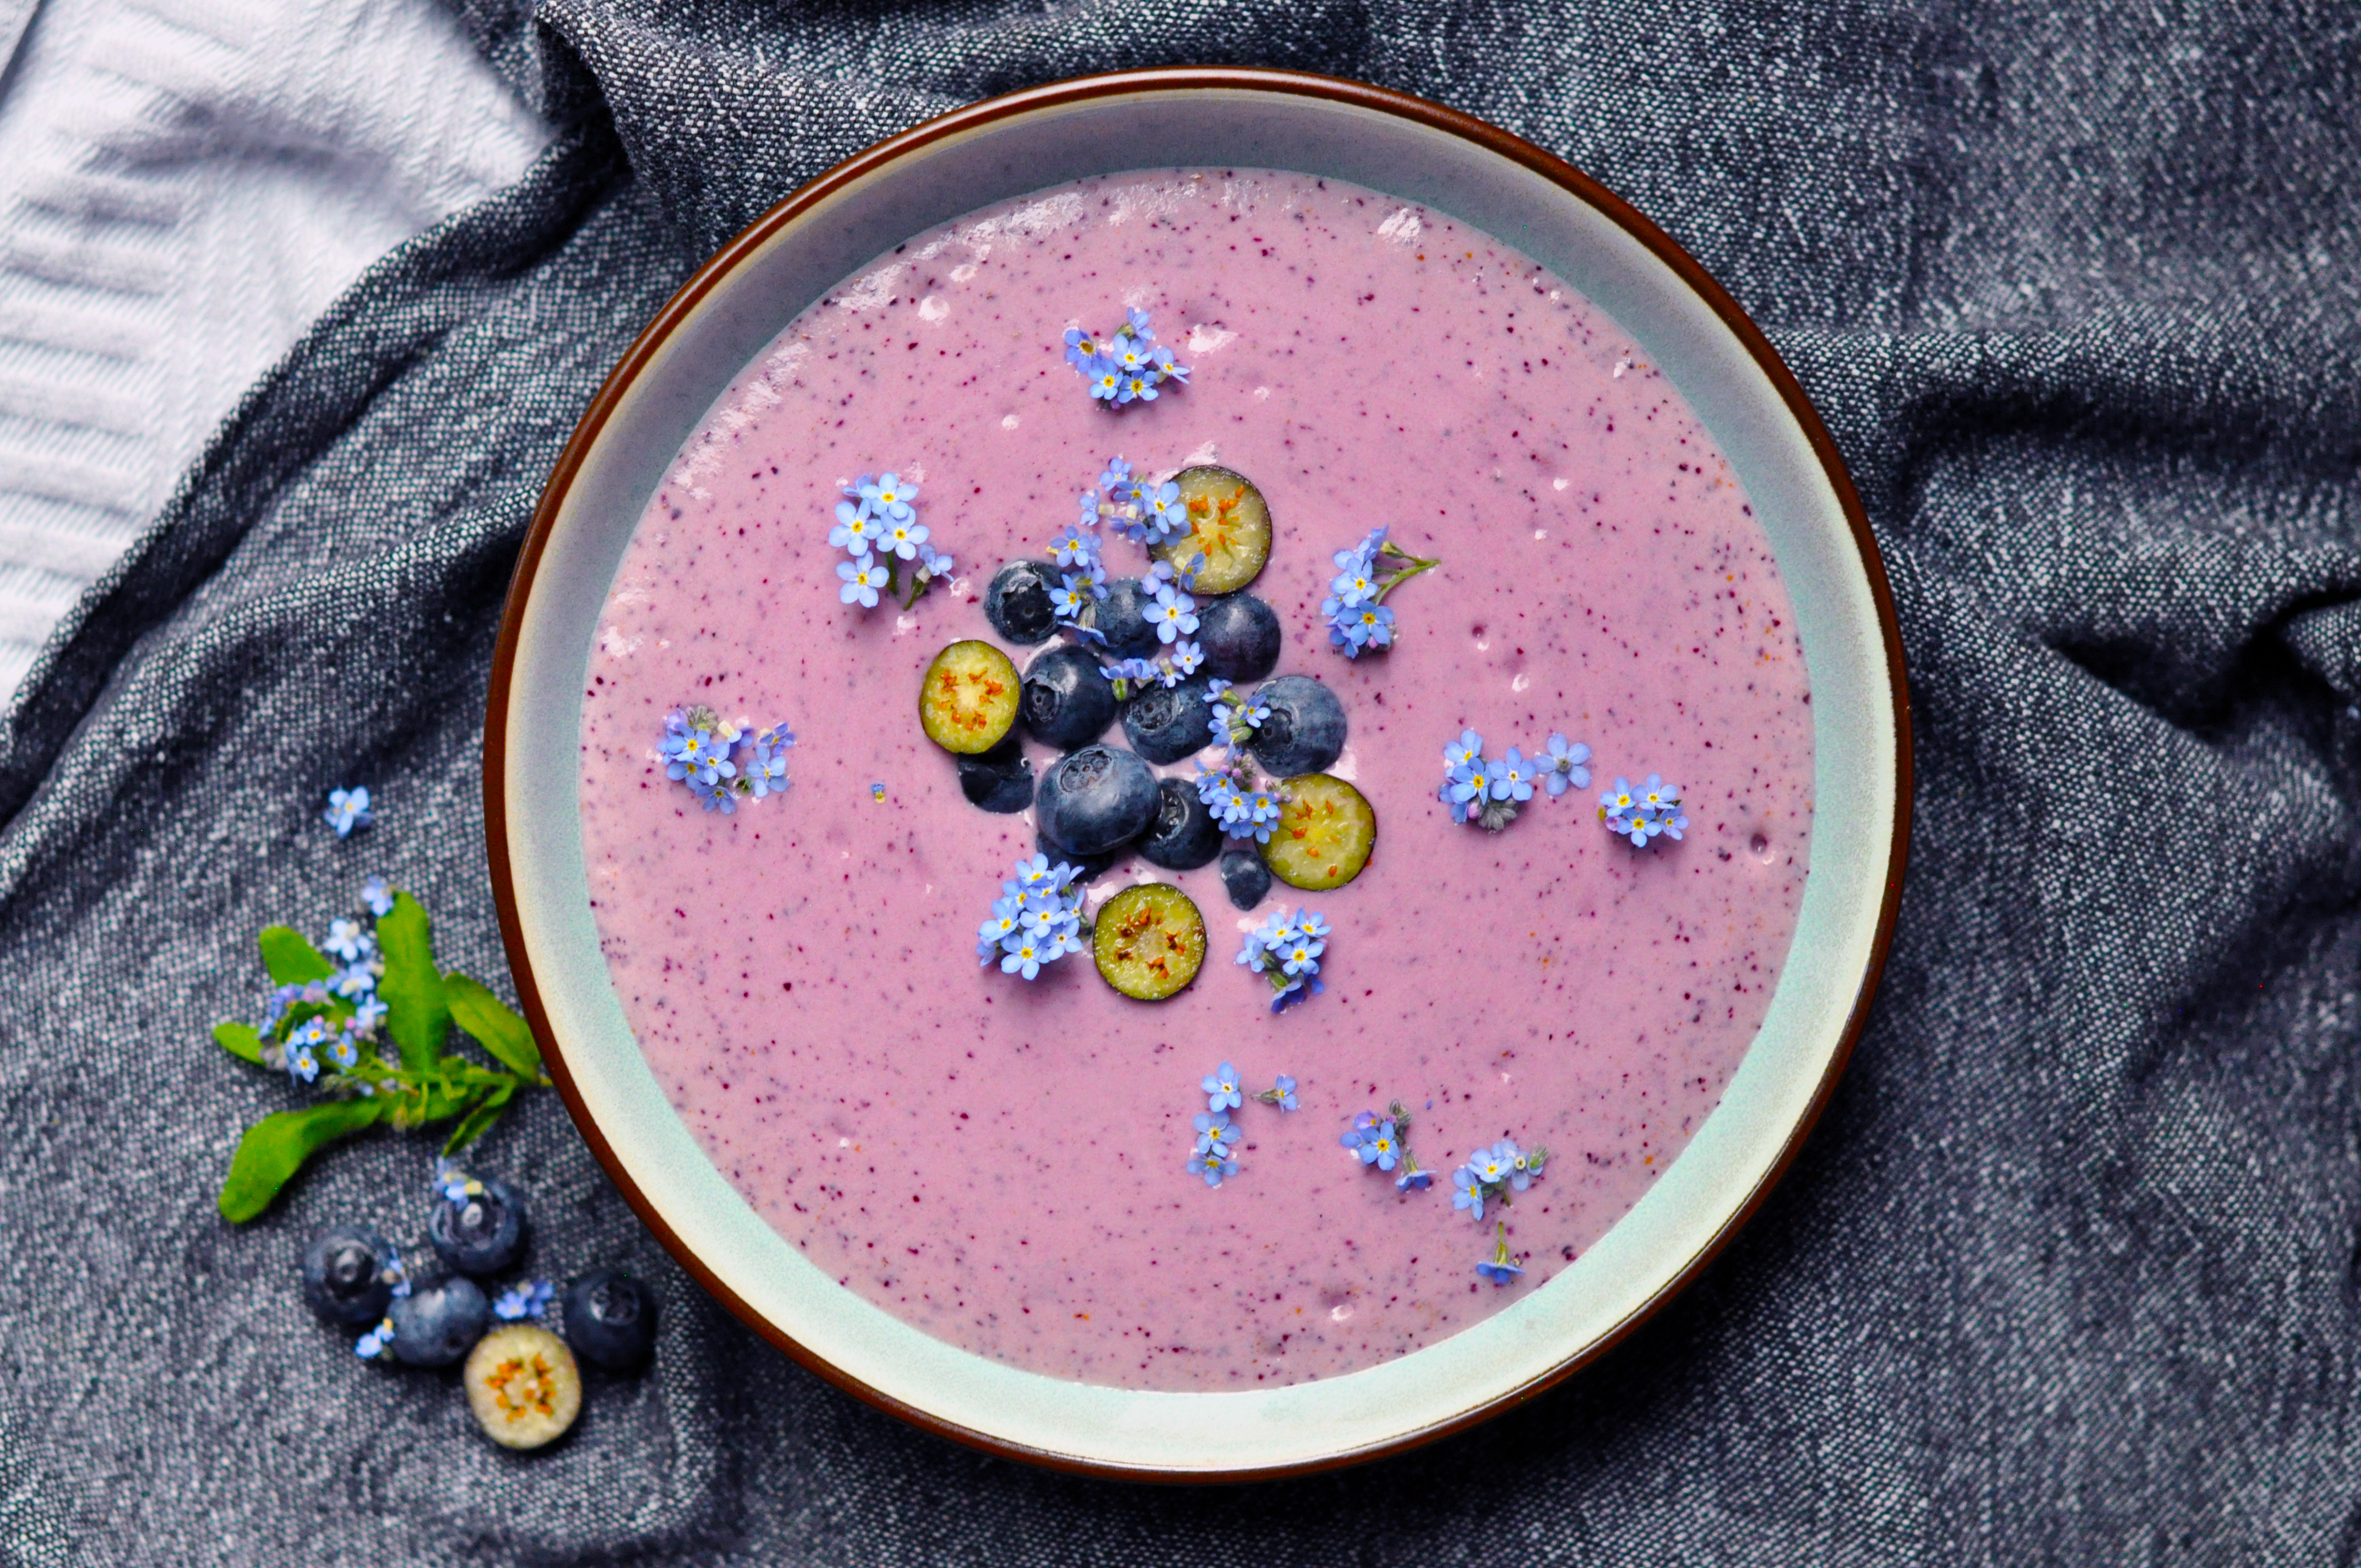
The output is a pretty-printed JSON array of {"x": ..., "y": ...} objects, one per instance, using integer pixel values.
[{"x": 2067, "y": 1273}]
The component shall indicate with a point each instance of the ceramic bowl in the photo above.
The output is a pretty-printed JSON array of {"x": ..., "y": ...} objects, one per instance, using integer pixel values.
[{"x": 1418, "y": 152}]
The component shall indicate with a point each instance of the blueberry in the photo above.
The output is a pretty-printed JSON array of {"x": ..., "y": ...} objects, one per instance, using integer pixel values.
[
  {"x": 1240, "y": 637},
  {"x": 610, "y": 1320},
  {"x": 1305, "y": 731},
  {"x": 1095, "y": 800},
  {"x": 1247, "y": 879},
  {"x": 1165, "y": 724},
  {"x": 481, "y": 1233},
  {"x": 436, "y": 1324},
  {"x": 1000, "y": 780},
  {"x": 1067, "y": 703},
  {"x": 1184, "y": 835},
  {"x": 343, "y": 1272},
  {"x": 1018, "y": 602},
  {"x": 1122, "y": 618}
]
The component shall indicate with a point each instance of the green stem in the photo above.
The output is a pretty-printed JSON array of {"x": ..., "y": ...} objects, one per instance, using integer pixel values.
[{"x": 1417, "y": 565}]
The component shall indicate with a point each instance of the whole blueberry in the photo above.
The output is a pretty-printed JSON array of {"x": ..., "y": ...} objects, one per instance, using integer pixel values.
[
  {"x": 1123, "y": 619},
  {"x": 611, "y": 1319},
  {"x": 1184, "y": 835},
  {"x": 999, "y": 780},
  {"x": 436, "y": 1324},
  {"x": 483, "y": 1232},
  {"x": 1305, "y": 731},
  {"x": 1240, "y": 637},
  {"x": 1245, "y": 877},
  {"x": 1066, "y": 703},
  {"x": 344, "y": 1274},
  {"x": 1018, "y": 602},
  {"x": 1094, "y": 800},
  {"x": 1165, "y": 724}
]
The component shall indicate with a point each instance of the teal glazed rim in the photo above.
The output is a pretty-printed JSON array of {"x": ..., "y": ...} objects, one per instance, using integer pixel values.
[{"x": 1421, "y": 153}]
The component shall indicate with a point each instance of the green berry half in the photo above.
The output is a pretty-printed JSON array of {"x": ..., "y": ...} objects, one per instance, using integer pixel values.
[
  {"x": 1229, "y": 528},
  {"x": 1325, "y": 834},
  {"x": 1148, "y": 941},
  {"x": 969, "y": 701}
]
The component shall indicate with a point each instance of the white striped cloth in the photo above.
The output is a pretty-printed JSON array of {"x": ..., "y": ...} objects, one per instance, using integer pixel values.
[{"x": 184, "y": 184}]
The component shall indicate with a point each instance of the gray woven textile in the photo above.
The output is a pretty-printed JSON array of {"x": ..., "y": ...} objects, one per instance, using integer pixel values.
[{"x": 2069, "y": 1272}]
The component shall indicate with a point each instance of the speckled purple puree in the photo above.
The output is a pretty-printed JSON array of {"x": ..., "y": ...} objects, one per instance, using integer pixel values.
[{"x": 1001, "y": 1164}]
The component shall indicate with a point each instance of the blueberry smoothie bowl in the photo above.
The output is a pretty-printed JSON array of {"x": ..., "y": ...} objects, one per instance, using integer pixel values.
[{"x": 1213, "y": 822}]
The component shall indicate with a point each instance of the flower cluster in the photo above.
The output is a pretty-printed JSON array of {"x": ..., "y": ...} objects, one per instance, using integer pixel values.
[
  {"x": 1244, "y": 806},
  {"x": 349, "y": 809},
  {"x": 1128, "y": 368},
  {"x": 1501, "y": 1269},
  {"x": 718, "y": 761},
  {"x": 878, "y": 527},
  {"x": 1037, "y": 919},
  {"x": 1490, "y": 791},
  {"x": 1286, "y": 952},
  {"x": 377, "y": 1343},
  {"x": 1383, "y": 1142},
  {"x": 1490, "y": 1175},
  {"x": 521, "y": 1302},
  {"x": 1148, "y": 513},
  {"x": 1642, "y": 814},
  {"x": 362, "y": 1018},
  {"x": 1215, "y": 1154},
  {"x": 1355, "y": 608},
  {"x": 333, "y": 1022}
]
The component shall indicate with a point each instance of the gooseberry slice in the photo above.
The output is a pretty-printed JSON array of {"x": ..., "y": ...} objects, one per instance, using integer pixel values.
[
  {"x": 1150, "y": 941},
  {"x": 1229, "y": 530},
  {"x": 1324, "y": 833},
  {"x": 969, "y": 700}
]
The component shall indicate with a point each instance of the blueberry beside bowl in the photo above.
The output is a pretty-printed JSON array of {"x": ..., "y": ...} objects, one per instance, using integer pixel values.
[{"x": 345, "y": 1276}]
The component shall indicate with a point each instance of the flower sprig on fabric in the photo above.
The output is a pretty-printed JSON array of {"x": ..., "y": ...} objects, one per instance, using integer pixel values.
[
  {"x": 1490, "y": 791},
  {"x": 1383, "y": 1142},
  {"x": 1490, "y": 1175},
  {"x": 1642, "y": 815},
  {"x": 1358, "y": 620},
  {"x": 1129, "y": 367},
  {"x": 1037, "y": 919},
  {"x": 1285, "y": 950},
  {"x": 877, "y": 526},
  {"x": 721, "y": 763},
  {"x": 1215, "y": 1154},
  {"x": 366, "y": 1022},
  {"x": 349, "y": 809}
]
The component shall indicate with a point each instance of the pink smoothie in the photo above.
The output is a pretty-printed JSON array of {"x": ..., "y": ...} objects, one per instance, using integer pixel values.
[{"x": 1001, "y": 1164}]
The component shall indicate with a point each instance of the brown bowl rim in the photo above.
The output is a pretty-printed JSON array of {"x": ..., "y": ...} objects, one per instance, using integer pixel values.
[{"x": 1162, "y": 80}]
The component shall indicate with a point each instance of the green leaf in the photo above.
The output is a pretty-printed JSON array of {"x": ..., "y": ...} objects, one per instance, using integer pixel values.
[
  {"x": 243, "y": 1041},
  {"x": 418, "y": 1015},
  {"x": 275, "y": 1148},
  {"x": 479, "y": 1121},
  {"x": 291, "y": 958},
  {"x": 494, "y": 1025}
]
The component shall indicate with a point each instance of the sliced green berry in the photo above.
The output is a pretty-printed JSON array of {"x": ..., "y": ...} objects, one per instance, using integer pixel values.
[
  {"x": 1148, "y": 941},
  {"x": 1325, "y": 834},
  {"x": 523, "y": 1386},
  {"x": 1229, "y": 530},
  {"x": 969, "y": 701}
]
